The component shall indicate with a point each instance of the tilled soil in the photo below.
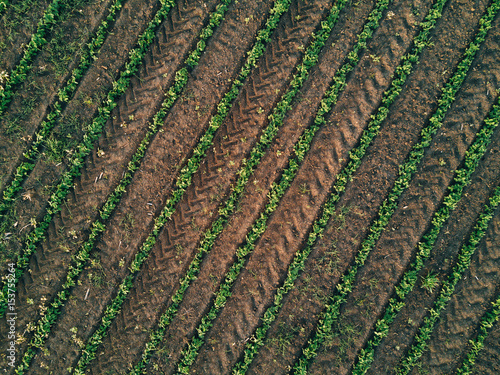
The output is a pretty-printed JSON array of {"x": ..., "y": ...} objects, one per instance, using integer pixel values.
[{"x": 288, "y": 224}]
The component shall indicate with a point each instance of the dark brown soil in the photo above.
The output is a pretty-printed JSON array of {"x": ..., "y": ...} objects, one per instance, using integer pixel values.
[{"x": 291, "y": 222}]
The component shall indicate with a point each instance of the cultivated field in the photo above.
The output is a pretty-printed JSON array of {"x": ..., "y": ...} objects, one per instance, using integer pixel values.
[{"x": 250, "y": 186}]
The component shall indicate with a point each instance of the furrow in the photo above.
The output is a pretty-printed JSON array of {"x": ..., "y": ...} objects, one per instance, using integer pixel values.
[
  {"x": 247, "y": 169},
  {"x": 209, "y": 184},
  {"x": 54, "y": 124},
  {"x": 429, "y": 206},
  {"x": 333, "y": 311},
  {"x": 38, "y": 113},
  {"x": 278, "y": 187},
  {"x": 197, "y": 298},
  {"x": 408, "y": 222},
  {"x": 444, "y": 352},
  {"x": 102, "y": 175},
  {"x": 85, "y": 148},
  {"x": 487, "y": 361},
  {"x": 38, "y": 217},
  {"x": 184, "y": 179}
]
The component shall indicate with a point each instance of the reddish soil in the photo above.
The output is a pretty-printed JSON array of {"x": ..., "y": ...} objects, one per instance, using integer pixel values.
[{"x": 292, "y": 220}]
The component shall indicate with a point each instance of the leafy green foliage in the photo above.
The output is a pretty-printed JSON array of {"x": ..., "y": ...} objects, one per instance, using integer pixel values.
[
  {"x": 406, "y": 172},
  {"x": 277, "y": 191},
  {"x": 429, "y": 282},
  {"x": 464, "y": 259},
  {"x": 477, "y": 344},
  {"x": 40, "y": 138}
]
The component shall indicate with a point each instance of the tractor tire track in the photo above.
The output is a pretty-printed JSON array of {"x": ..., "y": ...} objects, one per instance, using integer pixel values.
[
  {"x": 102, "y": 173},
  {"x": 152, "y": 183},
  {"x": 289, "y": 223},
  {"x": 198, "y": 298},
  {"x": 209, "y": 186},
  {"x": 98, "y": 79}
]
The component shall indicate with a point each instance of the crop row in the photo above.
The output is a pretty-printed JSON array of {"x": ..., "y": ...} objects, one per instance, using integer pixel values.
[
  {"x": 288, "y": 175},
  {"x": 489, "y": 320},
  {"x": 37, "y": 41},
  {"x": 87, "y": 144},
  {"x": 64, "y": 95},
  {"x": 462, "y": 178},
  {"x": 387, "y": 208},
  {"x": 80, "y": 259},
  {"x": 402, "y": 72},
  {"x": 276, "y": 120},
  {"x": 182, "y": 183}
]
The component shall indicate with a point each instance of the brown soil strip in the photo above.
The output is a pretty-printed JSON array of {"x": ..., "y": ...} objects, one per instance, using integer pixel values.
[
  {"x": 334, "y": 252},
  {"x": 14, "y": 38},
  {"x": 152, "y": 184},
  {"x": 98, "y": 80},
  {"x": 33, "y": 99},
  {"x": 393, "y": 251},
  {"x": 179, "y": 239},
  {"x": 289, "y": 224}
]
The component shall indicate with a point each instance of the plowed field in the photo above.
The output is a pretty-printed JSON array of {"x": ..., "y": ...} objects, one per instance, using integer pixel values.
[{"x": 243, "y": 186}]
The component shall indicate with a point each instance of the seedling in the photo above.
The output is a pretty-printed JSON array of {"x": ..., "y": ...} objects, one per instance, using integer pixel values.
[{"x": 429, "y": 282}]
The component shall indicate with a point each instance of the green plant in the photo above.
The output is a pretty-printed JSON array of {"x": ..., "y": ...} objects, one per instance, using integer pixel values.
[
  {"x": 462, "y": 178},
  {"x": 41, "y": 137},
  {"x": 429, "y": 282},
  {"x": 476, "y": 345},
  {"x": 284, "y": 337}
]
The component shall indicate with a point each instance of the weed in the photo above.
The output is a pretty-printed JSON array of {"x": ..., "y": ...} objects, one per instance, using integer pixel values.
[
  {"x": 304, "y": 189},
  {"x": 329, "y": 262},
  {"x": 283, "y": 338},
  {"x": 127, "y": 223},
  {"x": 429, "y": 282},
  {"x": 339, "y": 216}
]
